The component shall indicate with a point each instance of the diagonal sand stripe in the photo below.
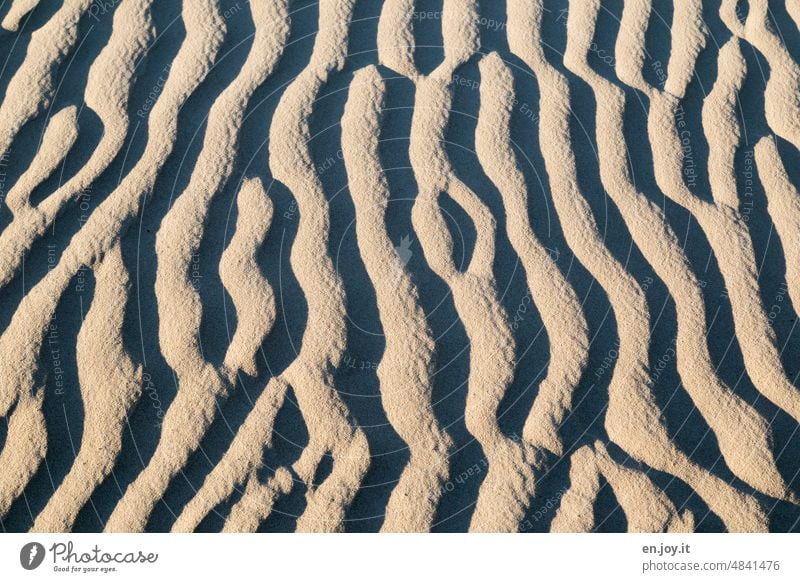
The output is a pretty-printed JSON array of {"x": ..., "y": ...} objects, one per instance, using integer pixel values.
[
  {"x": 731, "y": 418},
  {"x": 22, "y": 340},
  {"x": 178, "y": 239},
  {"x": 782, "y": 93},
  {"x": 110, "y": 384},
  {"x": 632, "y": 418},
  {"x": 647, "y": 509},
  {"x": 19, "y": 9},
  {"x": 323, "y": 411},
  {"x": 509, "y": 481},
  {"x": 57, "y": 141},
  {"x": 406, "y": 366},
  {"x": 107, "y": 91},
  {"x": 241, "y": 276},
  {"x": 32, "y": 85},
  {"x": 783, "y": 205},
  {"x": 199, "y": 384},
  {"x": 240, "y": 462},
  {"x": 555, "y": 299},
  {"x": 721, "y": 221}
]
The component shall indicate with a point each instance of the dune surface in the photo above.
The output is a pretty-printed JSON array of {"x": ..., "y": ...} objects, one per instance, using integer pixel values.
[{"x": 397, "y": 266}]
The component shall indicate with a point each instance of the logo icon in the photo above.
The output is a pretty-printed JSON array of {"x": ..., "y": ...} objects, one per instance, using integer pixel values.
[{"x": 31, "y": 555}]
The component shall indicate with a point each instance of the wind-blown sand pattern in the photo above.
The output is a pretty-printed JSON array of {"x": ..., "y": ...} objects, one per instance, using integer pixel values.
[
  {"x": 330, "y": 431},
  {"x": 58, "y": 139},
  {"x": 783, "y": 204},
  {"x": 31, "y": 87},
  {"x": 250, "y": 291},
  {"x": 110, "y": 384},
  {"x": 728, "y": 415},
  {"x": 179, "y": 307},
  {"x": 649, "y": 508},
  {"x": 510, "y": 476},
  {"x": 399, "y": 266},
  {"x": 556, "y": 300},
  {"x": 107, "y": 93},
  {"x": 632, "y": 418}
]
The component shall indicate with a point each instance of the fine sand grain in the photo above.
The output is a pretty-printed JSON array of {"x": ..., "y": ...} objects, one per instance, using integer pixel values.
[{"x": 353, "y": 265}]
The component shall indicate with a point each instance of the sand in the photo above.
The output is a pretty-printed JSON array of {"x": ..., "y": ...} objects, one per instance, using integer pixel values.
[
  {"x": 369, "y": 266},
  {"x": 407, "y": 363}
]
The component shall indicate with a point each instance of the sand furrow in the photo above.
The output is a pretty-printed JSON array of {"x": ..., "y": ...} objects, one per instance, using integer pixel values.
[
  {"x": 110, "y": 384},
  {"x": 107, "y": 91},
  {"x": 25, "y": 446},
  {"x": 20, "y": 345},
  {"x": 406, "y": 366},
  {"x": 19, "y": 10},
  {"x": 240, "y": 461},
  {"x": 721, "y": 126},
  {"x": 448, "y": 381},
  {"x": 630, "y": 51},
  {"x": 22, "y": 340},
  {"x": 241, "y": 276},
  {"x": 666, "y": 111},
  {"x": 257, "y": 502},
  {"x": 57, "y": 141},
  {"x": 727, "y": 231},
  {"x": 632, "y": 418},
  {"x": 180, "y": 310},
  {"x": 31, "y": 87},
  {"x": 782, "y": 111},
  {"x": 647, "y": 509},
  {"x": 731, "y": 418},
  {"x": 721, "y": 221},
  {"x": 553, "y": 296},
  {"x": 688, "y": 40},
  {"x": 206, "y": 30},
  {"x": 460, "y": 35},
  {"x": 688, "y": 32},
  {"x": 782, "y": 92},
  {"x": 324, "y": 338},
  {"x": 783, "y": 205},
  {"x": 323, "y": 411},
  {"x": 509, "y": 481},
  {"x": 575, "y": 512},
  {"x": 793, "y": 8}
]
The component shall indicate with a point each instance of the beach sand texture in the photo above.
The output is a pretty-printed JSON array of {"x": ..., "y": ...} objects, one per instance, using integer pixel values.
[{"x": 399, "y": 266}]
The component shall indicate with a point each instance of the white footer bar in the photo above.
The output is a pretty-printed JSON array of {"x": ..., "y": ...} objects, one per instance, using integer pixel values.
[{"x": 386, "y": 558}]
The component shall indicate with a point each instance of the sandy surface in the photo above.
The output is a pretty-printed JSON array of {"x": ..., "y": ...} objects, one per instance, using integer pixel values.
[{"x": 352, "y": 265}]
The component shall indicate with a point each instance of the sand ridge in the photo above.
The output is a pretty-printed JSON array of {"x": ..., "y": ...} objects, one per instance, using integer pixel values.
[{"x": 313, "y": 119}]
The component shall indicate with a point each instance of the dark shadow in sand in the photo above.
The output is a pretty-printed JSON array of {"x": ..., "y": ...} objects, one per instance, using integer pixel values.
[{"x": 427, "y": 25}]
